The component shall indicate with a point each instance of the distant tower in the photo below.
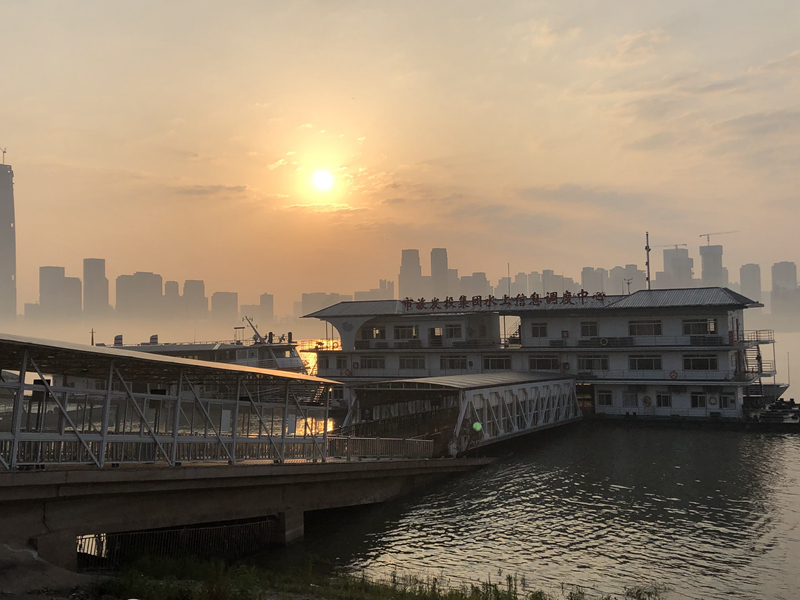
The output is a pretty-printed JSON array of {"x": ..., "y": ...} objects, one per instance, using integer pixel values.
[
  {"x": 267, "y": 309},
  {"x": 410, "y": 278},
  {"x": 95, "y": 287},
  {"x": 439, "y": 272},
  {"x": 750, "y": 281},
  {"x": 8, "y": 246},
  {"x": 678, "y": 267},
  {"x": 713, "y": 273}
]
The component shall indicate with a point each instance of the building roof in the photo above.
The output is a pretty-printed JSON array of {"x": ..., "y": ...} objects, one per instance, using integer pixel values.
[
  {"x": 466, "y": 382},
  {"x": 643, "y": 299},
  {"x": 714, "y": 296},
  {"x": 93, "y": 362},
  {"x": 360, "y": 308}
]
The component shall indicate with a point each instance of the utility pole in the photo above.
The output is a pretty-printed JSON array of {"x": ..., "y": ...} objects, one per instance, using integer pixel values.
[{"x": 647, "y": 262}]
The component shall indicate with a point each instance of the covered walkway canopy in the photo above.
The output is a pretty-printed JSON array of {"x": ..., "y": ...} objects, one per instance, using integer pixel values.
[{"x": 93, "y": 405}]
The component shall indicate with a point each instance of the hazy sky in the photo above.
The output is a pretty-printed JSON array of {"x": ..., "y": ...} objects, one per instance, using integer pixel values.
[{"x": 180, "y": 137}]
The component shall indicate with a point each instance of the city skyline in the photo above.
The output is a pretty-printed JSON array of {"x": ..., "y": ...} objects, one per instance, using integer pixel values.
[{"x": 529, "y": 134}]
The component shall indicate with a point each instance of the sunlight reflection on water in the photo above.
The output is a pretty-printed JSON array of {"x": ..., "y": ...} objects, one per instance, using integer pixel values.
[{"x": 712, "y": 514}]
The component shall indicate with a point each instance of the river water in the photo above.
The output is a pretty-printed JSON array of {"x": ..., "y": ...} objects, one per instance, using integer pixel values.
[{"x": 711, "y": 514}]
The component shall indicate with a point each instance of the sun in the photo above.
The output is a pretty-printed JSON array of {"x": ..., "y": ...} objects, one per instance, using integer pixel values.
[{"x": 323, "y": 180}]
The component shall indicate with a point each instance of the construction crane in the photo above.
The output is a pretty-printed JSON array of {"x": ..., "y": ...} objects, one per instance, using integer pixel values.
[
  {"x": 708, "y": 235},
  {"x": 670, "y": 245}
]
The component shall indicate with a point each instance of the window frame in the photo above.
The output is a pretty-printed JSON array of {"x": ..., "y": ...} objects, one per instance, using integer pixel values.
[
  {"x": 691, "y": 362},
  {"x": 635, "y": 328},
  {"x": 448, "y": 329},
  {"x": 341, "y": 362},
  {"x": 605, "y": 398},
  {"x": 536, "y": 330},
  {"x": 400, "y": 332},
  {"x": 366, "y": 361},
  {"x": 555, "y": 362},
  {"x": 404, "y": 358},
  {"x": 661, "y": 402},
  {"x": 603, "y": 358},
  {"x": 494, "y": 359},
  {"x": 655, "y": 360},
  {"x": 698, "y": 400},
  {"x": 587, "y": 327},
  {"x": 444, "y": 360},
  {"x": 710, "y": 327}
]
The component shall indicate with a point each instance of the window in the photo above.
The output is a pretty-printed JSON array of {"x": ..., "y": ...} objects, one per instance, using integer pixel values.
[
  {"x": 412, "y": 362},
  {"x": 497, "y": 362},
  {"x": 406, "y": 332},
  {"x": 663, "y": 400},
  {"x": 644, "y": 328},
  {"x": 592, "y": 363},
  {"x": 544, "y": 363},
  {"x": 589, "y": 329},
  {"x": 630, "y": 400},
  {"x": 698, "y": 400},
  {"x": 539, "y": 330},
  {"x": 605, "y": 398},
  {"x": 322, "y": 362},
  {"x": 436, "y": 332},
  {"x": 373, "y": 362},
  {"x": 452, "y": 331},
  {"x": 727, "y": 401},
  {"x": 699, "y": 326},
  {"x": 341, "y": 362},
  {"x": 644, "y": 363},
  {"x": 453, "y": 363},
  {"x": 373, "y": 333},
  {"x": 700, "y": 362}
]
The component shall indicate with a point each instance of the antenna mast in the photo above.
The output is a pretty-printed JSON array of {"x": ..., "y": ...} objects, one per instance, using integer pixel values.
[
  {"x": 259, "y": 338},
  {"x": 3, "y": 150},
  {"x": 647, "y": 262}
]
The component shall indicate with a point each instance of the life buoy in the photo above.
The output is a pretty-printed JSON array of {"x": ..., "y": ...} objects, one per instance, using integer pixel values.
[
  {"x": 347, "y": 373},
  {"x": 646, "y": 401},
  {"x": 673, "y": 374},
  {"x": 604, "y": 341},
  {"x": 712, "y": 400},
  {"x": 335, "y": 344}
]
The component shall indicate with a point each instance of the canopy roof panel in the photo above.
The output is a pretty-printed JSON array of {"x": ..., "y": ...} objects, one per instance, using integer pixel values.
[{"x": 94, "y": 362}]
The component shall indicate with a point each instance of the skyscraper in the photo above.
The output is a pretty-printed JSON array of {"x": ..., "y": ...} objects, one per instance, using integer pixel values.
[
  {"x": 140, "y": 295},
  {"x": 59, "y": 296},
  {"x": 225, "y": 306},
  {"x": 750, "y": 281},
  {"x": 713, "y": 273},
  {"x": 677, "y": 268},
  {"x": 267, "y": 310},
  {"x": 8, "y": 246},
  {"x": 439, "y": 272},
  {"x": 95, "y": 287},
  {"x": 410, "y": 279},
  {"x": 195, "y": 301}
]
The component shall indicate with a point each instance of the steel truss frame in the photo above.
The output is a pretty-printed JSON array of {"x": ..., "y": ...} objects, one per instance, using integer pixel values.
[
  {"x": 62, "y": 433},
  {"x": 508, "y": 411}
]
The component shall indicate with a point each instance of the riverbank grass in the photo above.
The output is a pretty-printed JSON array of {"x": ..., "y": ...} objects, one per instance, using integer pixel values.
[{"x": 191, "y": 580}]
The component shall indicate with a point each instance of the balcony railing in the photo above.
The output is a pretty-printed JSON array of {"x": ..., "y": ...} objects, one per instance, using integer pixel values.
[
  {"x": 760, "y": 336},
  {"x": 673, "y": 375}
]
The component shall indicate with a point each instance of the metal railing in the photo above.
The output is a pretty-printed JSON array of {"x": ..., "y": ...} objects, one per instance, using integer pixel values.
[
  {"x": 33, "y": 452},
  {"x": 766, "y": 336}
]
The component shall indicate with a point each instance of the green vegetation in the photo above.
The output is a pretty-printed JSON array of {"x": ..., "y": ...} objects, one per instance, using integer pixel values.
[{"x": 164, "y": 579}]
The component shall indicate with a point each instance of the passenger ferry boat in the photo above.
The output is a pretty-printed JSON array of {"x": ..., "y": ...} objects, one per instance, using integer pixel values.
[
  {"x": 272, "y": 352},
  {"x": 679, "y": 353}
]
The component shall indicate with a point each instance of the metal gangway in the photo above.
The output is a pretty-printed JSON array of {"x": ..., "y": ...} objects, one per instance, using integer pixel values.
[{"x": 69, "y": 404}]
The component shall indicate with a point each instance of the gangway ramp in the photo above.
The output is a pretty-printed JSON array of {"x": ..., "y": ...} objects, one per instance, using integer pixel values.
[{"x": 464, "y": 412}]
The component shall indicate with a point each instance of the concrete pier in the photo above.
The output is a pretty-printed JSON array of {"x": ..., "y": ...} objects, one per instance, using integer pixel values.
[{"x": 48, "y": 509}]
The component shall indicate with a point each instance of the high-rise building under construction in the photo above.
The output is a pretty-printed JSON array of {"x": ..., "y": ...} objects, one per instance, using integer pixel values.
[{"x": 8, "y": 246}]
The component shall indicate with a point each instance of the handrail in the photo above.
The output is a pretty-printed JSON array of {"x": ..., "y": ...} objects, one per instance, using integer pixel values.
[{"x": 40, "y": 450}]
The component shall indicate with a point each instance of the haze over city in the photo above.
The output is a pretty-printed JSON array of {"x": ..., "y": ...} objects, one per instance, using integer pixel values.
[{"x": 183, "y": 139}]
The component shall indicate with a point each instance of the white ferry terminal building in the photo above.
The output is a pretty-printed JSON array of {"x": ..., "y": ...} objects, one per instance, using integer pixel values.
[{"x": 654, "y": 353}]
